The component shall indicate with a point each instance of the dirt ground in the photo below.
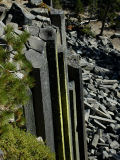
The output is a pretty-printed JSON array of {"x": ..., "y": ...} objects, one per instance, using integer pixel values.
[{"x": 95, "y": 26}]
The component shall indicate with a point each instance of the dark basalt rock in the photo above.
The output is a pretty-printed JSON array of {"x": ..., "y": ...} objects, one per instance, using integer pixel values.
[{"x": 20, "y": 15}]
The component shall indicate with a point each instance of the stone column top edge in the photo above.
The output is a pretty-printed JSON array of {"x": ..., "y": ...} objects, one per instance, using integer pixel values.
[
  {"x": 48, "y": 33},
  {"x": 56, "y": 12},
  {"x": 63, "y": 49}
]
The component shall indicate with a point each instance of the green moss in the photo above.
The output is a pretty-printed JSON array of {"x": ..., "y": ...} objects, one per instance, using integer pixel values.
[{"x": 19, "y": 145}]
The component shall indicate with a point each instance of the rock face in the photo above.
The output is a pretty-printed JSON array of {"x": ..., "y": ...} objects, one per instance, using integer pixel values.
[
  {"x": 100, "y": 64},
  {"x": 100, "y": 71},
  {"x": 48, "y": 113},
  {"x": 35, "y": 2}
]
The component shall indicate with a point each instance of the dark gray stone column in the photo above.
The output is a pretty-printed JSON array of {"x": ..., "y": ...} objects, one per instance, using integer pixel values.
[
  {"x": 29, "y": 115},
  {"x": 65, "y": 104},
  {"x": 48, "y": 34},
  {"x": 41, "y": 95},
  {"x": 75, "y": 75},
  {"x": 58, "y": 19},
  {"x": 73, "y": 110}
]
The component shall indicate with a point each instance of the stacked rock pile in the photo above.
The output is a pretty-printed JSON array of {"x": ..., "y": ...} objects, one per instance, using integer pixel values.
[{"x": 100, "y": 64}]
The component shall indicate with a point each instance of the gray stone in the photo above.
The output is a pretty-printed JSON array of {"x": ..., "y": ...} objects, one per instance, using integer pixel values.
[
  {"x": 1, "y": 155},
  {"x": 43, "y": 19},
  {"x": 55, "y": 91},
  {"x": 118, "y": 119},
  {"x": 108, "y": 82},
  {"x": 37, "y": 60},
  {"x": 103, "y": 119},
  {"x": 74, "y": 74},
  {"x": 58, "y": 19},
  {"x": 113, "y": 151},
  {"x": 18, "y": 32},
  {"x": 2, "y": 26},
  {"x": 73, "y": 34},
  {"x": 105, "y": 155},
  {"x": 97, "y": 111},
  {"x": 29, "y": 115},
  {"x": 35, "y": 2},
  {"x": 36, "y": 44},
  {"x": 99, "y": 124},
  {"x": 33, "y": 30},
  {"x": 87, "y": 113},
  {"x": 3, "y": 11},
  {"x": 14, "y": 25},
  {"x": 114, "y": 145},
  {"x": 95, "y": 140},
  {"x": 40, "y": 11},
  {"x": 69, "y": 118},
  {"x": 9, "y": 18},
  {"x": 115, "y": 35}
]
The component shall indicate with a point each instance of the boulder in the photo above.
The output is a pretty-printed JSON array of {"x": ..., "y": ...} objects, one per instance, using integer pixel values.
[{"x": 20, "y": 15}]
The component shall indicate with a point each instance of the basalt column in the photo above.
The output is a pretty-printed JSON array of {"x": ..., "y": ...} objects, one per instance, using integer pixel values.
[
  {"x": 41, "y": 93},
  {"x": 49, "y": 35},
  {"x": 73, "y": 111},
  {"x": 29, "y": 115},
  {"x": 75, "y": 75},
  {"x": 65, "y": 104},
  {"x": 58, "y": 19}
]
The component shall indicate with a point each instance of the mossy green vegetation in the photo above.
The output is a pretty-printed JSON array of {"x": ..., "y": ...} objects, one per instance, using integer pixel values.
[
  {"x": 56, "y": 4},
  {"x": 19, "y": 145},
  {"x": 14, "y": 76},
  {"x": 14, "y": 70},
  {"x": 86, "y": 30}
]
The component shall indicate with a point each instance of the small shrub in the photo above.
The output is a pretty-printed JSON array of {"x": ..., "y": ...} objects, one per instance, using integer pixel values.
[
  {"x": 86, "y": 30},
  {"x": 19, "y": 145}
]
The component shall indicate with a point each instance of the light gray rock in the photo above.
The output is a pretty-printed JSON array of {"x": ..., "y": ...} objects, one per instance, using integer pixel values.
[
  {"x": 105, "y": 155},
  {"x": 35, "y": 2},
  {"x": 33, "y": 30},
  {"x": 43, "y": 19},
  {"x": 40, "y": 11},
  {"x": 3, "y": 11},
  {"x": 36, "y": 43},
  {"x": 114, "y": 145},
  {"x": 35, "y": 58},
  {"x": 95, "y": 140},
  {"x": 115, "y": 35},
  {"x": 14, "y": 25},
  {"x": 2, "y": 26}
]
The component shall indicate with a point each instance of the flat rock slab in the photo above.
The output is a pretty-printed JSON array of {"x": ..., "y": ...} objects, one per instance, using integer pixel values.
[
  {"x": 40, "y": 11},
  {"x": 43, "y": 19},
  {"x": 21, "y": 15},
  {"x": 37, "y": 44},
  {"x": 35, "y": 58},
  {"x": 35, "y": 2},
  {"x": 114, "y": 145},
  {"x": 33, "y": 30}
]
